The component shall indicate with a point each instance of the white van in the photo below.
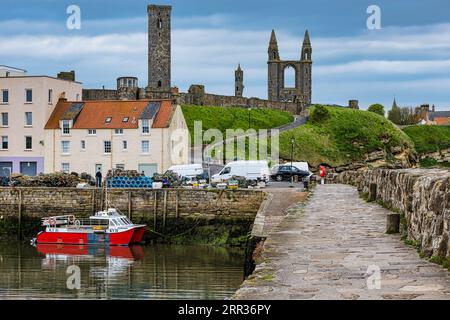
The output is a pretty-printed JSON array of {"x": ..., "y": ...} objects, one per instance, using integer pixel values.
[
  {"x": 187, "y": 170},
  {"x": 251, "y": 170}
]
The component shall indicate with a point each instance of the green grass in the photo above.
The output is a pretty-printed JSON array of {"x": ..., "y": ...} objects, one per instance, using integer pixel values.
[
  {"x": 429, "y": 138},
  {"x": 345, "y": 136},
  {"x": 224, "y": 118}
]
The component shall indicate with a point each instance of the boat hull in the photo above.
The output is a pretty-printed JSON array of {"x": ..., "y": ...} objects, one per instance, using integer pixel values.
[
  {"x": 138, "y": 234},
  {"x": 122, "y": 238}
]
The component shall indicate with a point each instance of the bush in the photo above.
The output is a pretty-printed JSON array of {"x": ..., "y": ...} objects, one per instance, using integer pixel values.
[
  {"x": 319, "y": 114},
  {"x": 377, "y": 108}
]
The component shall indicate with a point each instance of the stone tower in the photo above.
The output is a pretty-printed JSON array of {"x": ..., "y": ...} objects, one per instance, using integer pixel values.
[
  {"x": 301, "y": 92},
  {"x": 159, "y": 52},
  {"x": 239, "y": 82}
]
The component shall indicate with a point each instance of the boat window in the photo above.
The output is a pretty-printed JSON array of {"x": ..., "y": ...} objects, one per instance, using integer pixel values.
[
  {"x": 124, "y": 220},
  {"x": 118, "y": 222},
  {"x": 112, "y": 222}
]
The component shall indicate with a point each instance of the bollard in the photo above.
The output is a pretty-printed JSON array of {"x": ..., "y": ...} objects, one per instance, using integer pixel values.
[
  {"x": 372, "y": 192},
  {"x": 393, "y": 223}
]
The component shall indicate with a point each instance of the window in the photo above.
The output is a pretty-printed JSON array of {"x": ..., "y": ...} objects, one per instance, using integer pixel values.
[
  {"x": 92, "y": 132},
  {"x": 108, "y": 120},
  {"x": 65, "y": 147},
  {"x": 159, "y": 84},
  {"x": 145, "y": 146},
  {"x": 28, "y": 143},
  {"x": 28, "y": 119},
  {"x": 28, "y": 95},
  {"x": 4, "y": 142},
  {"x": 227, "y": 170},
  {"x": 289, "y": 77},
  {"x": 83, "y": 145},
  {"x": 50, "y": 96},
  {"x": 65, "y": 127},
  {"x": 5, "y": 96},
  {"x": 120, "y": 166},
  {"x": 107, "y": 147},
  {"x": 5, "y": 119},
  {"x": 65, "y": 167},
  {"x": 124, "y": 145},
  {"x": 78, "y": 97},
  {"x": 118, "y": 132},
  {"x": 145, "y": 126},
  {"x": 159, "y": 23},
  {"x": 125, "y": 119}
]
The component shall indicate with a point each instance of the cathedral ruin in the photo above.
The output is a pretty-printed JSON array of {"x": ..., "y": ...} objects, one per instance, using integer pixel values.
[{"x": 294, "y": 98}]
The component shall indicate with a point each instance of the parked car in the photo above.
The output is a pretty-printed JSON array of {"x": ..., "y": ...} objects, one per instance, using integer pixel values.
[
  {"x": 250, "y": 170},
  {"x": 285, "y": 172},
  {"x": 303, "y": 166}
]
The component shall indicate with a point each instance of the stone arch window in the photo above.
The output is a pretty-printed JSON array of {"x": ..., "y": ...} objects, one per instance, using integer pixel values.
[
  {"x": 159, "y": 84},
  {"x": 274, "y": 55},
  {"x": 159, "y": 23},
  {"x": 289, "y": 77}
]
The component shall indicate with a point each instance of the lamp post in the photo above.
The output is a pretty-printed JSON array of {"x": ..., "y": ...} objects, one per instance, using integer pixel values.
[{"x": 292, "y": 158}]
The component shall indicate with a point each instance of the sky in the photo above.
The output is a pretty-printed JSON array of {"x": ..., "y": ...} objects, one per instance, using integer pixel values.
[{"x": 409, "y": 57}]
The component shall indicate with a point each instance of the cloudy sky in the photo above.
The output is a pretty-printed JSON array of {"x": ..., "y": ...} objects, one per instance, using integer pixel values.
[{"x": 409, "y": 57}]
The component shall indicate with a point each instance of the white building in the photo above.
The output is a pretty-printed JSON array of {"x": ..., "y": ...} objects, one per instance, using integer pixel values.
[
  {"x": 90, "y": 136},
  {"x": 26, "y": 102}
]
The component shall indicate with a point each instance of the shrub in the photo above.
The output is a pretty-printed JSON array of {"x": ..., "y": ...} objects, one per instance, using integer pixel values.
[
  {"x": 377, "y": 108},
  {"x": 319, "y": 114}
]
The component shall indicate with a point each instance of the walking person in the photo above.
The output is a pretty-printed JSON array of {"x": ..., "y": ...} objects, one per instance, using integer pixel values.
[{"x": 98, "y": 179}]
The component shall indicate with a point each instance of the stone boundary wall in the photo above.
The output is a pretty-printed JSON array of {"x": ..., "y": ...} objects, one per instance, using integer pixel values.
[
  {"x": 232, "y": 101},
  {"x": 422, "y": 195},
  {"x": 440, "y": 156},
  {"x": 40, "y": 202}
]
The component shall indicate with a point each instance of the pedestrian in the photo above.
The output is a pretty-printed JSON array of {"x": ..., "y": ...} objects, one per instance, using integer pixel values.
[
  {"x": 322, "y": 172},
  {"x": 98, "y": 179}
]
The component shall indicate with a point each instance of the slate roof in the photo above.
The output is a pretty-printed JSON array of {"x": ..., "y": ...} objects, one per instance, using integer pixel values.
[{"x": 122, "y": 114}]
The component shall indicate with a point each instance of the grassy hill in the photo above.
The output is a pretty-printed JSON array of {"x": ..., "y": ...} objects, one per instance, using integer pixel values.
[
  {"x": 429, "y": 138},
  {"x": 223, "y": 118},
  {"x": 344, "y": 136}
]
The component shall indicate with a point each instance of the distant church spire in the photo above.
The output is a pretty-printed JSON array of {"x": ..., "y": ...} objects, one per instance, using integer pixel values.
[
  {"x": 273, "y": 47},
  {"x": 306, "y": 40},
  {"x": 394, "y": 105}
]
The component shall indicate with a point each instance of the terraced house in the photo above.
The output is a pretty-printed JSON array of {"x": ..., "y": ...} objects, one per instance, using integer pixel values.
[
  {"x": 26, "y": 102},
  {"x": 145, "y": 135}
]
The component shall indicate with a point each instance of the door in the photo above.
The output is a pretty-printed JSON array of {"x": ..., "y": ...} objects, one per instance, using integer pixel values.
[
  {"x": 6, "y": 169},
  {"x": 28, "y": 168},
  {"x": 149, "y": 169}
]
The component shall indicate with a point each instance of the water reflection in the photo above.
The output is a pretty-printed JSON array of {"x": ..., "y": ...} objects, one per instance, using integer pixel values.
[{"x": 154, "y": 272}]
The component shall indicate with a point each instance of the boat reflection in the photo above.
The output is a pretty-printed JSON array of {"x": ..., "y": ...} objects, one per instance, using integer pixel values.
[{"x": 113, "y": 257}]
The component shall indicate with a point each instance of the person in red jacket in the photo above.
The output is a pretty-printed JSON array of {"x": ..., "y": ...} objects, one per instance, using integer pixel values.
[{"x": 322, "y": 172}]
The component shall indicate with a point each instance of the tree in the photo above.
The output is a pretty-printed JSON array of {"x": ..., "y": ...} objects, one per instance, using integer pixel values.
[
  {"x": 395, "y": 114},
  {"x": 377, "y": 108},
  {"x": 402, "y": 116}
]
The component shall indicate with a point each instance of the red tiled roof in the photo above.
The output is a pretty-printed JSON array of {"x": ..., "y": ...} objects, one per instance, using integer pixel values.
[{"x": 94, "y": 114}]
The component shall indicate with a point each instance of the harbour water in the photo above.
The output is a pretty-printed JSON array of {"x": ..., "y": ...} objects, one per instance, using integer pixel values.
[{"x": 138, "y": 272}]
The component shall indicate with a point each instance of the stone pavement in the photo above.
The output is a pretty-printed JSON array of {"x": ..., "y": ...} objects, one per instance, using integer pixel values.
[{"x": 332, "y": 248}]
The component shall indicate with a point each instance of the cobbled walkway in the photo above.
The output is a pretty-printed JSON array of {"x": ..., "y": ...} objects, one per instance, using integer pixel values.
[{"x": 333, "y": 248}]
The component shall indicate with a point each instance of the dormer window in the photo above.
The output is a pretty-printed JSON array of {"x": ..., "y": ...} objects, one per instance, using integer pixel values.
[
  {"x": 145, "y": 126},
  {"x": 108, "y": 120},
  {"x": 66, "y": 127},
  {"x": 125, "y": 120}
]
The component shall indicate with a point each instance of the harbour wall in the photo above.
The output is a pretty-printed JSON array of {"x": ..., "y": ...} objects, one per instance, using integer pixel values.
[{"x": 174, "y": 215}]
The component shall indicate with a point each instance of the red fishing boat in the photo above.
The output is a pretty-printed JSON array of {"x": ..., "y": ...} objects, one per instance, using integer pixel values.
[{"x": 109, "y": 227}]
